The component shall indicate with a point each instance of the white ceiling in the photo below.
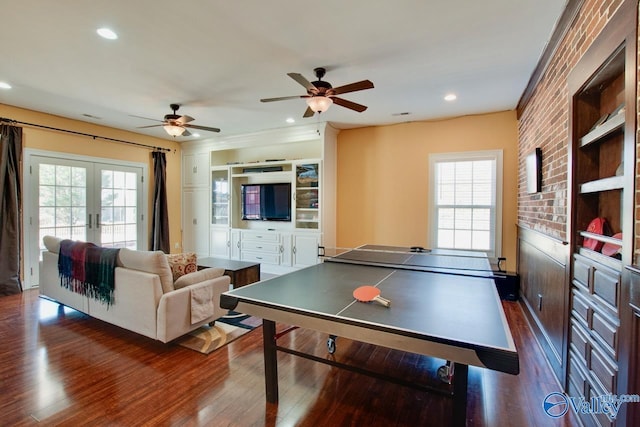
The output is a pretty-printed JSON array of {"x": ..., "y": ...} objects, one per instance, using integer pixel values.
[{"x": 219, "y": 58}]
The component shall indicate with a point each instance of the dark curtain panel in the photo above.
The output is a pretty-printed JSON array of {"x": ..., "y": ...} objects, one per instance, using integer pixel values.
[
  {"x": 160, "y": 226},
  {"x": 10, "y": 209}
]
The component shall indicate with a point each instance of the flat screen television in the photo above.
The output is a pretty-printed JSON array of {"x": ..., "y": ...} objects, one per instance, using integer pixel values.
[{"x": 266, "y": 202}]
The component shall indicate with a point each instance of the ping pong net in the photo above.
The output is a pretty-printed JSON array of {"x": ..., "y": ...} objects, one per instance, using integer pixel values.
[{"x": 445, "y": 261}]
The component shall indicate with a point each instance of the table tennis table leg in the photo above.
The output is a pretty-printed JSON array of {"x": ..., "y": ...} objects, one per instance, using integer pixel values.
[
  {"x": 460, "y": 379},
  {"x": 270, "y": 360}
]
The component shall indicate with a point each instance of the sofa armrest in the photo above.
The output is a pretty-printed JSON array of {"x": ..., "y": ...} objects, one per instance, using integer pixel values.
[{"x": 174, "y": 309}]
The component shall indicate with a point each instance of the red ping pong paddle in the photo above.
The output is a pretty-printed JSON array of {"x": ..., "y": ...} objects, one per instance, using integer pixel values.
[{"x": 370, "y": 293}]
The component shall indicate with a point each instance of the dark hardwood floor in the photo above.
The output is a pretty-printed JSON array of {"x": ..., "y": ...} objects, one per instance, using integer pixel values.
[{"x": 60, "y": 367}]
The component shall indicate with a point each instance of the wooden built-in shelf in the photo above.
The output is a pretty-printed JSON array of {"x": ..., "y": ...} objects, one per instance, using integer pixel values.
[
  {"x": 601, "y": 238},
  {"x": 613, "y": 124},
  {"x": 604, "y": 184}
]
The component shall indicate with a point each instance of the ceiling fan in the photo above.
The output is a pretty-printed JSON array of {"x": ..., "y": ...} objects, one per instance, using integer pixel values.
[
  {"x": 176, "y": 125},
  {"x": 320, "y": 94}
]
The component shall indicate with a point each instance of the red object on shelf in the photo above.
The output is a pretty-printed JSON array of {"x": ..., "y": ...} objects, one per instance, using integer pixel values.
[
  {"x": 596, "y": 226},
  {"x": 610, "y": 249}
]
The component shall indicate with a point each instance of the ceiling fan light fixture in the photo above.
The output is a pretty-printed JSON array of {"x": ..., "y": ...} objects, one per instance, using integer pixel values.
[
  {"x": 319, "y": 104},
  {"x": 174, "y": 130}
]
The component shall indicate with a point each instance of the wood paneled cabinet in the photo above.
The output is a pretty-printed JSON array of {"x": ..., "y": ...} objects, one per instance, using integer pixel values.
[{"x": 602, "y": 168}]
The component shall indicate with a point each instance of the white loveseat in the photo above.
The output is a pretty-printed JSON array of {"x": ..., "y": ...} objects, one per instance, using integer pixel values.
[{"x": 145, "y": 300}]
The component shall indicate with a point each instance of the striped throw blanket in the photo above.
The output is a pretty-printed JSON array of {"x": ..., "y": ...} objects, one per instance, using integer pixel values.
[{"x": 88, "y": 269}]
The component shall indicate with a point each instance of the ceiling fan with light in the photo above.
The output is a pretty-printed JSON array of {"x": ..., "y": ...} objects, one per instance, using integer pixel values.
[
  {"x": 320, "y": 94},
  {"x": 176, "y": 125}
]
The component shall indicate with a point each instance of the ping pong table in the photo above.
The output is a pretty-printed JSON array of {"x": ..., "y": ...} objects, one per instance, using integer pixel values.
[{"x": 444, "y": 305}]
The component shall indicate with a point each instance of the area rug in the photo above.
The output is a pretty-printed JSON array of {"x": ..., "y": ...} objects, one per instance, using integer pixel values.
[{"x": 206, "y": 339}]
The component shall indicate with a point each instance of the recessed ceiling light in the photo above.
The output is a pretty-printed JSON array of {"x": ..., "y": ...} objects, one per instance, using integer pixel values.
[
  {"x": 107, "y": 33},
  {"x": 5, "y": 85},
  {"x": 450, "y": 97},
  {"x": 290, "y": 120},
  {"x": 195, "y": 135}
]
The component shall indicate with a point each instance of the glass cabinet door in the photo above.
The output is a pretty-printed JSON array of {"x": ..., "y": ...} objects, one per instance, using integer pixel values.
[
  {"x": 220, "y": 197},
  {"x": 307, "y": 196}
]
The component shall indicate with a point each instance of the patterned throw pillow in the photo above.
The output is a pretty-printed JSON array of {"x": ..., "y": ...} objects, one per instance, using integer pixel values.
[{"x": 182, "y": 264}]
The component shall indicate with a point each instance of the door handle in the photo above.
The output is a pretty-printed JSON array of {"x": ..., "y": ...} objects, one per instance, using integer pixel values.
[
  {"x": 97, "y": 220},
  {"x": 90, "y": 219}
]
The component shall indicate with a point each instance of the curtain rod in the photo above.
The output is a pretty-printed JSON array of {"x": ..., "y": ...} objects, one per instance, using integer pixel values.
[{"x": 11, "y": 121}]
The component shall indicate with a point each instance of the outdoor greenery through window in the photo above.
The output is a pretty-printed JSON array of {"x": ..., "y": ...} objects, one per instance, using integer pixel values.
[{"x": 466, "y": 203}]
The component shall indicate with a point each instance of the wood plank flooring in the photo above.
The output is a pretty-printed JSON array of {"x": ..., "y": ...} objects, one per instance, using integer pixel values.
[{"x": 61, "y": 367}]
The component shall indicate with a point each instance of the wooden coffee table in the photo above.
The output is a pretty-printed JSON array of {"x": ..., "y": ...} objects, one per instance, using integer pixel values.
[{"x": 241, "y": 272}]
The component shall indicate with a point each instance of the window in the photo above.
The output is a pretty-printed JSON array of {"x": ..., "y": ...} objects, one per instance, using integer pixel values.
[{"x": 466, "y": 204}]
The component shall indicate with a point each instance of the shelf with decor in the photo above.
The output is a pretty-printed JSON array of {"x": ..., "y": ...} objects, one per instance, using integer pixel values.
[{"x": 613, "y": 123}]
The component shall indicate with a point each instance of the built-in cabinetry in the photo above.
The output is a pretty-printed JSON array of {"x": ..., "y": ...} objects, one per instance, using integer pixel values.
[
  {"x": 602, "y": 164},
  {"x": 303, "y": 157},
  {"x": 195, "y": 206}
]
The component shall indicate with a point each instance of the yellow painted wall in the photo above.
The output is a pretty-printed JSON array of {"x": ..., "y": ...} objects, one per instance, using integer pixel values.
[
  {"x": 43, "y": 139},
  {"x": 383, "y": 177}
]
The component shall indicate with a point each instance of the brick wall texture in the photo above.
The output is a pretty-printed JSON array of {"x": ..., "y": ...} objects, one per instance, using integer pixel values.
[{"x": 544, "y": 123}]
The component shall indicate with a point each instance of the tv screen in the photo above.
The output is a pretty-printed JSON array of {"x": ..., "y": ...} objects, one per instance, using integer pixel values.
[{"x": 266, "y": 202}]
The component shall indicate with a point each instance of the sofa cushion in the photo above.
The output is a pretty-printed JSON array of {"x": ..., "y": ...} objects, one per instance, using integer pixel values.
[
  {"x": 182, "y": 264},
  {"x": 197, "y": 277},
  {"x": 52, "y": 243},
  {"x": 154, "y": 262}
]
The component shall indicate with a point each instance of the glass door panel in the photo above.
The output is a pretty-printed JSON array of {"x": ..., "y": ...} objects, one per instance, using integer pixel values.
[
  {"x": 220, "y": 197},
  {"x": 62, "y": 200},
  {"x": 307, "y": 196},
  {"x": 118, "y": 218}
]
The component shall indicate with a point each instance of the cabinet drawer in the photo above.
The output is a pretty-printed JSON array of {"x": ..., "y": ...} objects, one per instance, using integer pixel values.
[
  {"x": 259, "y": 246},
  {"x": 579, "y": 342},
  {"x": 261, "y": 258},
  {"x": 260, "y": 236},
  {"x": 600, "y": 419},
  {"x": 580, "y": 306},
  {"x": 581, "y": 272},
  {"x": 607, "y": 331},
  {"x": 603, "y": 370},
  {"x": 577, "y": 377},
  {"x": 606, "y": 286}
]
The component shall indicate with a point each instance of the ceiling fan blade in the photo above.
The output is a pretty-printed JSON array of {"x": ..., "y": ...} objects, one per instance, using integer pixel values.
[
  {"x": 210, "y": 129},
  {"x": 146, "y": 118},
  {"x": 283, "y": 98},
  {"x": 308, "y": 113},
  {"x": 348, "y": 104},
  {"x": 361, "y": 85},
  {"x": 150, "y": 126},
  {"x": 186, "y": 133},
  {"x": 302, "y": 80},
  {"x": 184, "y": 119}
]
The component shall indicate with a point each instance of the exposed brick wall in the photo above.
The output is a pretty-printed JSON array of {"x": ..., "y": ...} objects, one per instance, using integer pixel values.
[{"x": 544, "y": 123}]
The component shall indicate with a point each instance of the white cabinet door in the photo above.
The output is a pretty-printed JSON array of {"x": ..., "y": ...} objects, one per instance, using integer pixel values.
[
  {"x": 305, "y": 249},
  {"x": 235, "y": 244},
  {"x": 220, "y": 244},
  {"x": 195, "y": 170},
  {"x": 195, "y": 220}
]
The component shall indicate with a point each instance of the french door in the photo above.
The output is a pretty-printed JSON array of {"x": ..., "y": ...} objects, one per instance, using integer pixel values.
[{"x": 84, "y": 200}]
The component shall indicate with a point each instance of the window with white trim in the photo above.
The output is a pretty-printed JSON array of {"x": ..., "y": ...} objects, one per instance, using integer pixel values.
[{"x": 466, "y": 203}]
